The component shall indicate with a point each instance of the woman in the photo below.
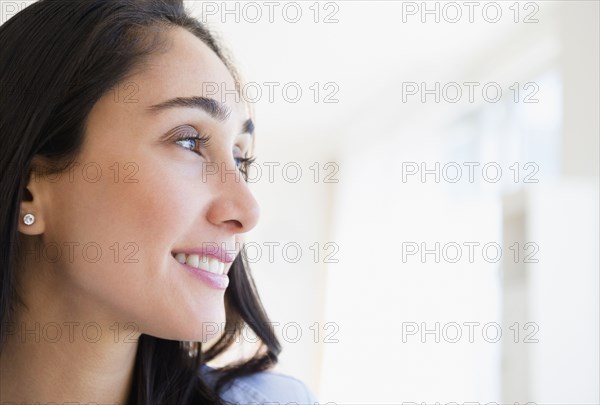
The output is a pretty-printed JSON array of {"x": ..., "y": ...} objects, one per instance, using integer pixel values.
[{"x": 123, "y": 210}]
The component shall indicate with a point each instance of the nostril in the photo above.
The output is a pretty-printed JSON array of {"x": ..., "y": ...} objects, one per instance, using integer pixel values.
[{"x": 236, "y": 223}]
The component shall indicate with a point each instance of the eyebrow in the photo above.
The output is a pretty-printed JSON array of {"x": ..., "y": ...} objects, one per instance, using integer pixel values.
[{"x": 215, "y": 109}]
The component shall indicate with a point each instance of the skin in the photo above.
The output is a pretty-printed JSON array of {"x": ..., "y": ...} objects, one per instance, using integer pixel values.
[{"x": 170, "y": 207}]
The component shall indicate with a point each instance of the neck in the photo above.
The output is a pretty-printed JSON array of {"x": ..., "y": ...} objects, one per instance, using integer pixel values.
[
  {"x": 57, "y": 352},
  {"x": 37, "y": 368}
]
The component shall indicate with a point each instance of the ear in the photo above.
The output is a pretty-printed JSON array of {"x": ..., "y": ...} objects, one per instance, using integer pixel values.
[{"x": 32, "y": 204}]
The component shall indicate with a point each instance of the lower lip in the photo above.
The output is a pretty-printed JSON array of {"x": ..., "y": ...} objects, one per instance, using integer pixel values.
[{"x": 218, "y": 281}]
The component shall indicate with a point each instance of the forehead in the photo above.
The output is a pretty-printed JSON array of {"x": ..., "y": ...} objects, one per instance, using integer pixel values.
[{"x": 188, "y": 68}]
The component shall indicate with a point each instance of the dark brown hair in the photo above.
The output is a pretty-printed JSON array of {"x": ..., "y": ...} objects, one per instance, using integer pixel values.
[{"x": 57, "y": 58}]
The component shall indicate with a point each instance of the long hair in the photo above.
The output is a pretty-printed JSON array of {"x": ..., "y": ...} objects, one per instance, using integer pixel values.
[{"x": 57, "y": 58}]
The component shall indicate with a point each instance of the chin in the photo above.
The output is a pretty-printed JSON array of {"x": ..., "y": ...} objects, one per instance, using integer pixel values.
[{"x": 201, "y": 326}]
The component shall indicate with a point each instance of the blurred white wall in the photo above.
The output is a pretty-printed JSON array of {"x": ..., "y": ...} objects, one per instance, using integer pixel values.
[{"x": 371, "y": 295}]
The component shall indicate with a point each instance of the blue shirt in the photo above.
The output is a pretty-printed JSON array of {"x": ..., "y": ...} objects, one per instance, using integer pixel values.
[{"x": 265, "y": 387}]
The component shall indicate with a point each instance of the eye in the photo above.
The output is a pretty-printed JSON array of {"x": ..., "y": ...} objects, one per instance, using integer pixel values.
[
  {"x": 193, "y": 143},
  {"x": 243, "y": 164}
]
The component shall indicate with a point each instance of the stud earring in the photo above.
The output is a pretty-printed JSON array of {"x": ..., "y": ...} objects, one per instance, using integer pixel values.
[{"x": 28, "y": 219}]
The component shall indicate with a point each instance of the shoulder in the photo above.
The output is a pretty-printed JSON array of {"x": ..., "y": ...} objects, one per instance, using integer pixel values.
[{"x": 265, "y": 387}]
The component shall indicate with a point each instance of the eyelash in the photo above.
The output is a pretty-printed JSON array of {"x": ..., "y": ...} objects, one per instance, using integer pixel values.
[{"x": 204, "y": 140}]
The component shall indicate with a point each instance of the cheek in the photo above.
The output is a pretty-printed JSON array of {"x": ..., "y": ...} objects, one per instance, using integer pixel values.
[
  {"x": 123, "y": 195},
  {"x": 122, "y": 233},
  {"x": 148, "y": 213}
]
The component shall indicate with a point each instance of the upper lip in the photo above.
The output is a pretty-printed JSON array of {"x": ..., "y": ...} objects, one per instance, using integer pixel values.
[{"x": 216, "y": 252}]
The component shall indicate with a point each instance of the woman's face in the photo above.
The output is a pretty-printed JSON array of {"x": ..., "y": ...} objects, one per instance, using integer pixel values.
[{"x": 142, "y": 191}]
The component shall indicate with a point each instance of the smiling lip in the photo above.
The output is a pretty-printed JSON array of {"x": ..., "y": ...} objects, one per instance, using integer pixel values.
[
  {"x": 216, "y": 252},
  {"x": 218, "y": 281}
]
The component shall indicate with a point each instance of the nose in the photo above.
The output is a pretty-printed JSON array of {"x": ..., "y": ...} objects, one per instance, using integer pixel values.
[{"x": 233, "y": 206}]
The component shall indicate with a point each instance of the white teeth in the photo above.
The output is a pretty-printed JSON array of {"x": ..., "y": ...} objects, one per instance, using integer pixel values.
[
  {"x": 193, "y": 260},
  {"x": 201, "y": 262},
  {"x": 214, "y": 266}
]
